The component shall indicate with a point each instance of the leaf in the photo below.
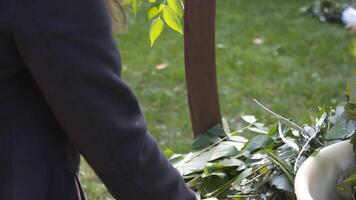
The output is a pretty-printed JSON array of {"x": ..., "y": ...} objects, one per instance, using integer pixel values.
[
  {"x": 239, "y": 141},
  {"x": 208, "y": 138},
  {"x": 175, "y": 158},
  {"x": 230, "y": 162},
  {"x": 152, "y": 1},
  {"x": 224, "y": 149},
  {"x": 212, "y": 183},
  {"x": 134, "y": 6},
  {"x": 168, "y": 152},
  {"x": 221, "y": 175},
  {"x": 243, "y": 175},
  {"x": 310, "y": 131},
  {"x": 226, "y": 127},
  {"x": 172, "y": 19},
  {"x": 176, "y": 5},
  {"x": 156, "y": 29},
  {"x": 288, "y": 141},
  {"x": 338, "y": 131},
  {"x": 281, "y": 182},
  {"x": 195, "y": 162},
  {"x": 320, "y": 121},
  {"x": 259, "y": 128},
  {"x": 205, "y": 140},
  {"x": 249, "y": 119},
  {"x": 284, "y": 166},
  {"x": 338, "y": 113},
  {"x": 258, "y": 142},
  {"x": 154, "y": 11}
]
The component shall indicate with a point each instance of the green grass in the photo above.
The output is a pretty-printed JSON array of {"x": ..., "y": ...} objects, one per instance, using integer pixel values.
[{"x": 302, "y": 64}]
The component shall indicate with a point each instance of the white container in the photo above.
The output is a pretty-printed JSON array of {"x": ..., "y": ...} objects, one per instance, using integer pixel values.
[{"x": 316, "y": 179}]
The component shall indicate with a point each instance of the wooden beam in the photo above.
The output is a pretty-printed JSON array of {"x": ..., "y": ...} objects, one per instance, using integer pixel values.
[{"x": 200, "y": 66}]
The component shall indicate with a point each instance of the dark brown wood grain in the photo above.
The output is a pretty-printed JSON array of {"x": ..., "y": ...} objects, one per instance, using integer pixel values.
[{"x": 200, "y": 67}]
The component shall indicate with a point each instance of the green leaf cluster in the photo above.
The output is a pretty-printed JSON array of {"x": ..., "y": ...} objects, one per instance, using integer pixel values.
[
  {"x": 161, "y": 13},
  {"x": 258, "y": 161}
]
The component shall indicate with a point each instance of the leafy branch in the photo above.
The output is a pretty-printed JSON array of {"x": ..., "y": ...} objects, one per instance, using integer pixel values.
[
  {"x": 161, "y": 13},
  {"x": 256, "y": 161}
]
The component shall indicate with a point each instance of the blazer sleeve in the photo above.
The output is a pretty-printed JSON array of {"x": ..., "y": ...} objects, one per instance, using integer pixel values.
[{"x": 69, "y": 50}]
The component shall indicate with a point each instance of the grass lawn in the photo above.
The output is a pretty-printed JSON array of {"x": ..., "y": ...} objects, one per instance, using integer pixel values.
[{"x": 301, "y": 64}]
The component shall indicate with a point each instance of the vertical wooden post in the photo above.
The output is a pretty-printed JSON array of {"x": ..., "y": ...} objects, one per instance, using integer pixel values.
[{"x": 200, "y": 66}]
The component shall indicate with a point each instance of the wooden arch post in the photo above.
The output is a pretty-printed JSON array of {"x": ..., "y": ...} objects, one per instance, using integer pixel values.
[{"x": 200, "y": 66}]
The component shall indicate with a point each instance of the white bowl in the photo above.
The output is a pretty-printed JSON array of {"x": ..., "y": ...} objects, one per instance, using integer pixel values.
[{"x": 316, "y": 179}]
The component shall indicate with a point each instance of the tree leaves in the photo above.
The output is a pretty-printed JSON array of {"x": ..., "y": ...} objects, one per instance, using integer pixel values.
[
  {"x": 170, "y": 13},
  {"x": 154, "y": 11},
  {"x": 256, "y": 161},
  {"x": 196, "y": 161},
  {"x": 156, "y": 29},
  {"x": 172, "y": 19},
  {"x": 176, "y": 6}
]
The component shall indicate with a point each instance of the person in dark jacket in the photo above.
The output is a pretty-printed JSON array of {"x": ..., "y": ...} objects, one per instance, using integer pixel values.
[{"x": 62, "y": 96}]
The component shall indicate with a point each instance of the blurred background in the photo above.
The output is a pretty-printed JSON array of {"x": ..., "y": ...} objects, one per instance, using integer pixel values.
[{"x": 268, "y": 50}]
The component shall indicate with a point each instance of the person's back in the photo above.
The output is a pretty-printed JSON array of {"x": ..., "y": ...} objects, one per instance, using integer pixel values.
[{"x": 61, "y": 92}]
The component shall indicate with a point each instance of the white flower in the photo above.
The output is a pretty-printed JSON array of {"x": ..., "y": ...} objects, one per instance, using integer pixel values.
[{"x": 349, "y": 17}]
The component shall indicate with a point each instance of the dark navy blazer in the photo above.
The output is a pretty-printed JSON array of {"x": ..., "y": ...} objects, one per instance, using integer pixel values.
[{"x": 61, "y": 95}]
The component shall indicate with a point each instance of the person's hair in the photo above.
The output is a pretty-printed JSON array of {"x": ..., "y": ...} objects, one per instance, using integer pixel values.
[{"x": 118, "y": 15}]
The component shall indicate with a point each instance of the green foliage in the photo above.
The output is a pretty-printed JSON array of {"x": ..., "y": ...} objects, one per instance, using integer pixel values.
[
  {"x": 228, "y": 165},
  {"x": 156, "y": 29},
  {"x": 171, "y": 11}
]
